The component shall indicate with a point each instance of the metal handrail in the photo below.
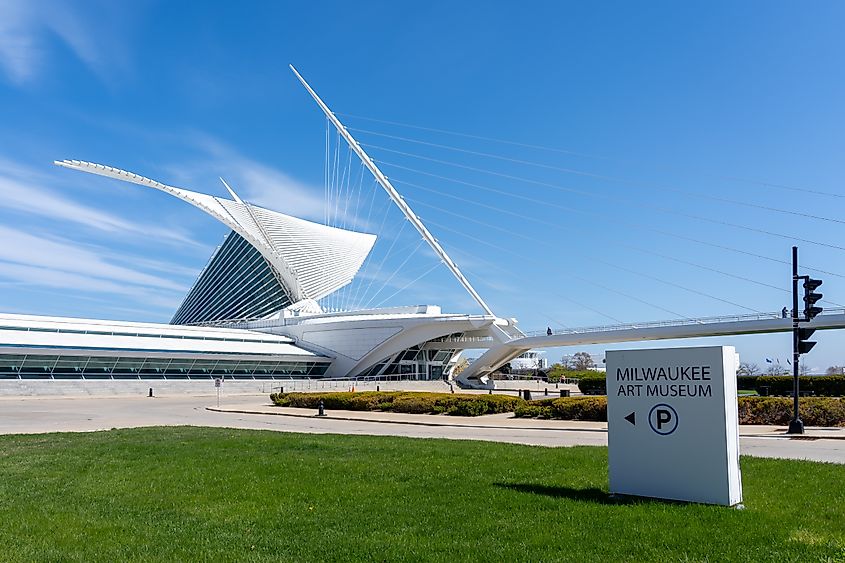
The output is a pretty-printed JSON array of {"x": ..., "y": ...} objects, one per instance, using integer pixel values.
[{"x": 676, "y": 322}]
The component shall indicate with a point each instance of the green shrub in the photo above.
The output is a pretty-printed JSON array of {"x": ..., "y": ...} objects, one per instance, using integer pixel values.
[
  {"x": 747, "y": 382},
  {"x": 826, "y": 385},
  {"x": 530, "y": 410},
  {"x": 593, "y": 383},
  {"x": 402, "y": 402},
  {"x": 464, "y": 407},
  {"x": 818, "y": 385},
  {"x": 814, "y": 411},
  {"x": 581, "y": 408},
  {"x": 416, "y": 403},
  {"x": 566, "y": 408}
]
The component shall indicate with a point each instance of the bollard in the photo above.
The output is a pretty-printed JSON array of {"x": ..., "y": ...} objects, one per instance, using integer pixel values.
[
  {"x": 491, "y": 392},
  {"x": 526, "y": 394},
  {"x": 321, "y": 410},
  {"x": 546, "y": 392},
  {"x": 378, "y": 388},
  {"x": 564, "y": 392},
  {"x": 151, "y": 392}
]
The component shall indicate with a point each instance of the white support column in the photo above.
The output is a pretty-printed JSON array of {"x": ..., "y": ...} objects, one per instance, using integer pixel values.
[{"x": 394, "y": 195}]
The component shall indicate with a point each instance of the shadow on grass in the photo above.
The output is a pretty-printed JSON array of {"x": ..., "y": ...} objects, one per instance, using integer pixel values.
[{"x": 591, "y": 494}]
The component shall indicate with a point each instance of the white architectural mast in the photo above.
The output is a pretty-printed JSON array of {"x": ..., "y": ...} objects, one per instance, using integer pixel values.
[{"x": 394, "y": 195}]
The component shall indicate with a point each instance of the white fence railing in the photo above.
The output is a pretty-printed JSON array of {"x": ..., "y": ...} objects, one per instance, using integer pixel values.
[{"x": 676, "y": 322}]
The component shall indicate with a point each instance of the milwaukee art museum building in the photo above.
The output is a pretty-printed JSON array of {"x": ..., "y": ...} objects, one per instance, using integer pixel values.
[{"x": 252, "y": 313}]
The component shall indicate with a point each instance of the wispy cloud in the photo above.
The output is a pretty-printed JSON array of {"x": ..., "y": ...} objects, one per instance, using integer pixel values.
[
  {"x": 261, "y": 184},
  {"x": 23, "y": 191},
  {"x": 26, "y": 25},
  {"x": 39, "y": 261},
  {"x": 73, "y": 283},
  {"x": 19, "y": 52},
  {"x": 59, "y": 255}
]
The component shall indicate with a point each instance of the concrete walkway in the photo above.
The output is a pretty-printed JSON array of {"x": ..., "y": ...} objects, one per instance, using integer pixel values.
[
  {"x": 39, "y": 415},
  {"x": 504, "y": 421}
]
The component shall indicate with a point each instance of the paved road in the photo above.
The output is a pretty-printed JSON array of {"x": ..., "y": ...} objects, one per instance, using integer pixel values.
[{"x": 38, "y": 415}]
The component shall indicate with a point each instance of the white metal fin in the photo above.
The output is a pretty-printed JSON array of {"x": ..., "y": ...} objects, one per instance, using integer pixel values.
[
  {"x": 231, "y": 191},
  {"x": 394, "y": 195}
]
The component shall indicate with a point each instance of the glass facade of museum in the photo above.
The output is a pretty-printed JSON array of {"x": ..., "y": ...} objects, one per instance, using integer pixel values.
[
  {"x": 41, "y": 366},
  {"x": 237, "y": 284}
]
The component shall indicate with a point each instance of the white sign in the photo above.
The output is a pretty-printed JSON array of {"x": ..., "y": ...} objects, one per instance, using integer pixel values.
[
  {"x": 672, "y": 423},
  {"x": 218, "y": 382}
]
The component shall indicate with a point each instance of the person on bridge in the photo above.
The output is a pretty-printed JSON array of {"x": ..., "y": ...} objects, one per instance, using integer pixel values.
[
  {"x": 548, "y": 331},
  {"x": 783, "y": 312}
]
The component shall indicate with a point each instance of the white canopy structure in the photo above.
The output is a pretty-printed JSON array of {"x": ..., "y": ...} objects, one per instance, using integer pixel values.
[{"x": 307, "y": 260}]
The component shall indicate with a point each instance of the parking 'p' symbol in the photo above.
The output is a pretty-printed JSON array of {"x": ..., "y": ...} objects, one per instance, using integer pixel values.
[{"x": 663, "y": 419}]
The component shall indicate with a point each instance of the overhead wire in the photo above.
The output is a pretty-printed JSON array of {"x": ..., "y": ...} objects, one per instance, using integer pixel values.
[
  {"x": 580, "y": 211},
  {"x": 610, "y": 178},
  {"x": 396, "y": 271},
  {"x": 557, "y": 226},
  {"x": 581, "y": 154},
  {"x": 521, "y": 296},
  {"x": 407, "y": 285},
  {"x": 614, "y": 200},
  {"x": 378, "y": 271},
  {"x": 592, "y": 282},
  {"x": 615, "y": 179},
  {"x": 588, "y": 213},
  {"x": 500, "y": 248},
  {"x": 351, "y": 218},
  {"x": 597, "y": 260},
  {"x": 368, "y": 259}
]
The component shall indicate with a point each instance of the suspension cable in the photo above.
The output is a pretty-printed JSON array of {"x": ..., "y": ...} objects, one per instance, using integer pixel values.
[
  {"x": 762, "y": 183},
  {"x": 606, "y": 263},
  {"x": 614, "y": 200},
  {"x": 603, "y": 177}
]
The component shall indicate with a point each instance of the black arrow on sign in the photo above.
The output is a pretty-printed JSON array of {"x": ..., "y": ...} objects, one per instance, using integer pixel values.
[{"x": 632, "y": 418}]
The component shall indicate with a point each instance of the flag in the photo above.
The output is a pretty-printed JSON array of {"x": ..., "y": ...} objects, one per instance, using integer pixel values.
[
  {"x": 787, "y": 361},
  {"x": 768, "y": 360}
]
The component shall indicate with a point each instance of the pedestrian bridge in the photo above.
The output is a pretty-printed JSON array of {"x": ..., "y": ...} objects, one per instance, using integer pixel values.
[{"x": 476, "y": 375}]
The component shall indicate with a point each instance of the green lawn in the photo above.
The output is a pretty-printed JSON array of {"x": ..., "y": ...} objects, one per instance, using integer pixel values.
[{"x": 181, "y": 494}]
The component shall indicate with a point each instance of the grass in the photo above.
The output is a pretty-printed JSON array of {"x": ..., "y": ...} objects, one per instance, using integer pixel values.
[{"x": 186, "y": 494}]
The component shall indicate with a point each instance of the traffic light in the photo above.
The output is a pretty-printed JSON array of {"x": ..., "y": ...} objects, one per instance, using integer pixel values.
[
  {"x": 810, "y": 298},
  {"x": 805, "y": 346}
]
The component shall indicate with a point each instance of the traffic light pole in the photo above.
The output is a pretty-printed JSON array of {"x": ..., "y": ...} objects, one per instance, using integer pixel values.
[{"x": 796, "y": 425}]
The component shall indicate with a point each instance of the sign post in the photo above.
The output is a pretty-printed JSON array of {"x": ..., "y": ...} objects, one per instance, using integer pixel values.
[
  {"x": 673, "y": 429},
  {"x": 218, "y": 383}
]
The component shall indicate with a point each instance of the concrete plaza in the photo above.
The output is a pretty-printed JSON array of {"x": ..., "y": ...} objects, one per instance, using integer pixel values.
[{"x": 39, "y": 415}]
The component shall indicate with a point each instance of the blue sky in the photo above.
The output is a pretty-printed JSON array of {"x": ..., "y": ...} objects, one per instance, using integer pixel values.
[{"x": 633, "y": 128}]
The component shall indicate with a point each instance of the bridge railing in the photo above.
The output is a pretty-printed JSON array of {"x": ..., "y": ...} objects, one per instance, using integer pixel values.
[{"x": 676, "y": 322}]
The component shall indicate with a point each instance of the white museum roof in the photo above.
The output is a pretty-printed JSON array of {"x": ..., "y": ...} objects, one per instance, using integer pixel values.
[{"x": 33, "y": 331}]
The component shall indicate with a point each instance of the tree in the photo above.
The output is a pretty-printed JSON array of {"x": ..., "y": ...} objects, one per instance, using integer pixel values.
[
  {"x": 556, "y": 373},
  {"x": 748, "y": 368},
  {"x": 462, "y": 364},
  {"x": 776, "y": 369},
  {"x": 836, "y": 370},
  {"x": 803, "y": 369},
  {"x": 580, "y": 361}
]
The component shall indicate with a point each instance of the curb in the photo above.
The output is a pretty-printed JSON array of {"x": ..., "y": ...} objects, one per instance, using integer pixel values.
[
  {"x": 780, "y": 435},
  {"x": 410, "y": 422}
]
